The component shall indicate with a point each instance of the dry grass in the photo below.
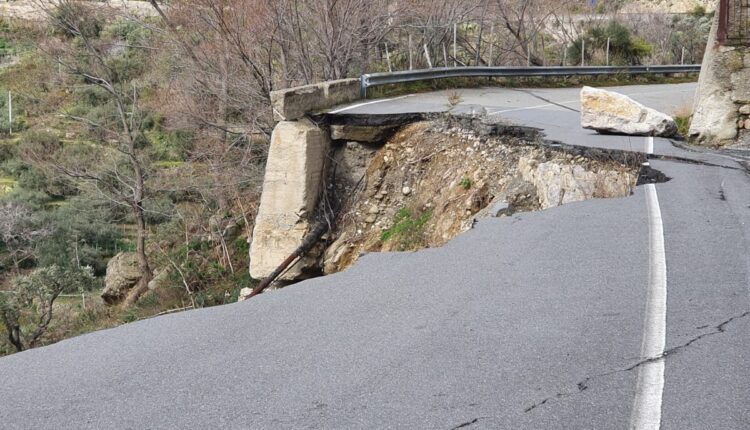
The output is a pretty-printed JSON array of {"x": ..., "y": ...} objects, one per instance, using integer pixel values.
[
  {"x": 454, "y": 98},
  {"x": 682, "y": 117}
]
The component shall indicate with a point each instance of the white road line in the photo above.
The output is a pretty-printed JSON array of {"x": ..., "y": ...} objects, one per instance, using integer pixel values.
[
  {"x": 369, "y": 103},
  {"x": 532, "y": 107},
  {"x": 650, "y": 145},
  {"x": 646, "y": 414}
]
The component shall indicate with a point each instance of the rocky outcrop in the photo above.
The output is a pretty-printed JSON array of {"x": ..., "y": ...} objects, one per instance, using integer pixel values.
[
  {"x": 291, "y": 187},
  {"x": 610, "y": 112},
  {"x": 122, "y": 275},
  {"x": 720, "y": 116},
  {"x": 561, "y": 182}
]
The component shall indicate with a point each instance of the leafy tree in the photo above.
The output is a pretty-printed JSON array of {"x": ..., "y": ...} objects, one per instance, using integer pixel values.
[
  {"x": 19, "y": 231},
  {"x": 624, "y": 48},
  {"x": 118, "y": 166},
  {"x": 26, "y": 310}
]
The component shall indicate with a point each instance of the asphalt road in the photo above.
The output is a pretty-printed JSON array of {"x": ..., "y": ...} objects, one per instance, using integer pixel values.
[{"x": 535, "y": 321}]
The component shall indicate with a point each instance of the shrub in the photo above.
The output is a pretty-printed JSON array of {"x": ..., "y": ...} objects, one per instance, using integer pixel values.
[
  {"x": 26, "y": 310},
  {"x": 407, "y": 229}
]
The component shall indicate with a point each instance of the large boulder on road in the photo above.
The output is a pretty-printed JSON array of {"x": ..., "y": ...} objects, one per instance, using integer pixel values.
[
  {"x": 610, "y": 112},
  {"x": 122, "y": 275}
]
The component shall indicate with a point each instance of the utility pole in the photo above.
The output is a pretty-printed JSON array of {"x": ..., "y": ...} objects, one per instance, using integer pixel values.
[{"x": 682, "y": 59}]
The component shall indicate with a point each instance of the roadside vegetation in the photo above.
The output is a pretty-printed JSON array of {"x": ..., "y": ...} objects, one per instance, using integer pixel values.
[{"x": 142, "y": 138}]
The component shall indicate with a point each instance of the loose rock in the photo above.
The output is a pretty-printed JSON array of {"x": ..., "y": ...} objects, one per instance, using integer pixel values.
[
  {"x": 122, "y": 275},
  {"x": 610, "y": 112}
]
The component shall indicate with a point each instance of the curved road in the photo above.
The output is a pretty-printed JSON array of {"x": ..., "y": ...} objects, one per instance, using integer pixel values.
[{"x": 604, "y": 314}]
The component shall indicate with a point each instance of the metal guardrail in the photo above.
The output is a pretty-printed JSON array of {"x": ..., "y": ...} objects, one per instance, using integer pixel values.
[{"x": 375, "y": 79}]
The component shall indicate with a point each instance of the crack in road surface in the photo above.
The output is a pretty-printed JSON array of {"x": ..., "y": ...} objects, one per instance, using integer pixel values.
[
  {"x": 466, "y": 424},
  {"x": 549, "y": 101},
  {"x": 583, "y": 385}
]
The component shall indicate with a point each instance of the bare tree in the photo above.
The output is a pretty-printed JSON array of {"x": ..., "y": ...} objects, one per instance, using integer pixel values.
[
  {"x": 118, "y": 168},
  {"x": 19, "y": 230}
]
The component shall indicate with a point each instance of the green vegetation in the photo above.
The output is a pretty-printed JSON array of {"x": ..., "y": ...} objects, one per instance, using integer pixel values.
[
  {"x": 683, "y": 124},
  {"x": 408, "y": 229},
  {"x": 26, "y": 310},
  {"x": 465, "y": 183},
  {"x": 624, "y": 48}
]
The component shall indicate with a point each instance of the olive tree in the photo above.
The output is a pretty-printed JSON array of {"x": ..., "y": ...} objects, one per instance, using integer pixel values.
[{"x": 26, "y": 309}]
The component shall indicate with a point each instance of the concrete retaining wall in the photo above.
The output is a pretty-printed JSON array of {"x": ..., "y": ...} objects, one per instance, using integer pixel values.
[
  {"x": 294, "y": 103},
  {"x": 721, "y": 114}
]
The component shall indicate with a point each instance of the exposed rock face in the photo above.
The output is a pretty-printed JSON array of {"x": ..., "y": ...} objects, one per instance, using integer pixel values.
[
  {"x": 291, "y": 187},
  {"x": 610, "y": 112},
  {"x": 358, "y": 133},
  {"x": 720, "y": 116},
  {"x": 559, "y": 183},
  {"x": 122, "y": 275}
]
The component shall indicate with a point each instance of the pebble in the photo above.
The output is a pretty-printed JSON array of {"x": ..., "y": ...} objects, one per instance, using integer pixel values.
[{"x": 406, "y": 191}]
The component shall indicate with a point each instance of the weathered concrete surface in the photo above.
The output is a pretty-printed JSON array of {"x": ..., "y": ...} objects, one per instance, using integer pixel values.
[
  {"x": 714, "y": 113},
  {"x": 292, "y": 184},
  {"x": 293, "y": 103},
  {"x": 610, "y": 112}
]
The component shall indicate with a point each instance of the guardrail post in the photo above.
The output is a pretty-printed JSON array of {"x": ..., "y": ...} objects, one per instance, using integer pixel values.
[{"x": 363, "y": 86}]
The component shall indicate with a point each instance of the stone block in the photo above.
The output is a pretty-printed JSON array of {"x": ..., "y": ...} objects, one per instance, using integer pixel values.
[
  {"x": 293, "y": 103},
  {"x": 610, "y": 112},
  {"x": 340, "y": 92},
  {"x": 291, "y": 187},
  {"x": 741, "y": 86}
]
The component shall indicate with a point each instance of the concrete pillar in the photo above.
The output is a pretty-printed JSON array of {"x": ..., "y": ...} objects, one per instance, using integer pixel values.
[
  {"x": 291, "y": 188},
  {"x": 723, "y": 92}
]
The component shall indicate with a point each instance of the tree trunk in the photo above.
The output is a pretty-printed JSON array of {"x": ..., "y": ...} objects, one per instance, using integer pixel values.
[{"x": 140, "y": 221}]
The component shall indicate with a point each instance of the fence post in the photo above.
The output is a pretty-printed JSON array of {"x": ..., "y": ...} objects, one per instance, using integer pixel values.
[
  {"x": 455, "y": 52},
  {"x": 411, "y": 63},
  {"x": 583, "y": 52},
  {"x": 388, "y": 58},
  {"x": 682, "y": 59},
  {"x": 492, "y": 38},
  {"x": 10, "y": 113},
  {"x": 427, "y": 56},
  {"x": 608, "y": 51}
]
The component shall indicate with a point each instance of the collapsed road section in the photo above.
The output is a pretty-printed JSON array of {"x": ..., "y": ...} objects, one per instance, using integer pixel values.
[{"x": 405, "y": 182}]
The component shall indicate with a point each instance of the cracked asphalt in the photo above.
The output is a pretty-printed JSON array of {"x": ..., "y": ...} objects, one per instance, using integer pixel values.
[{"x": 533, "y": 321}]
